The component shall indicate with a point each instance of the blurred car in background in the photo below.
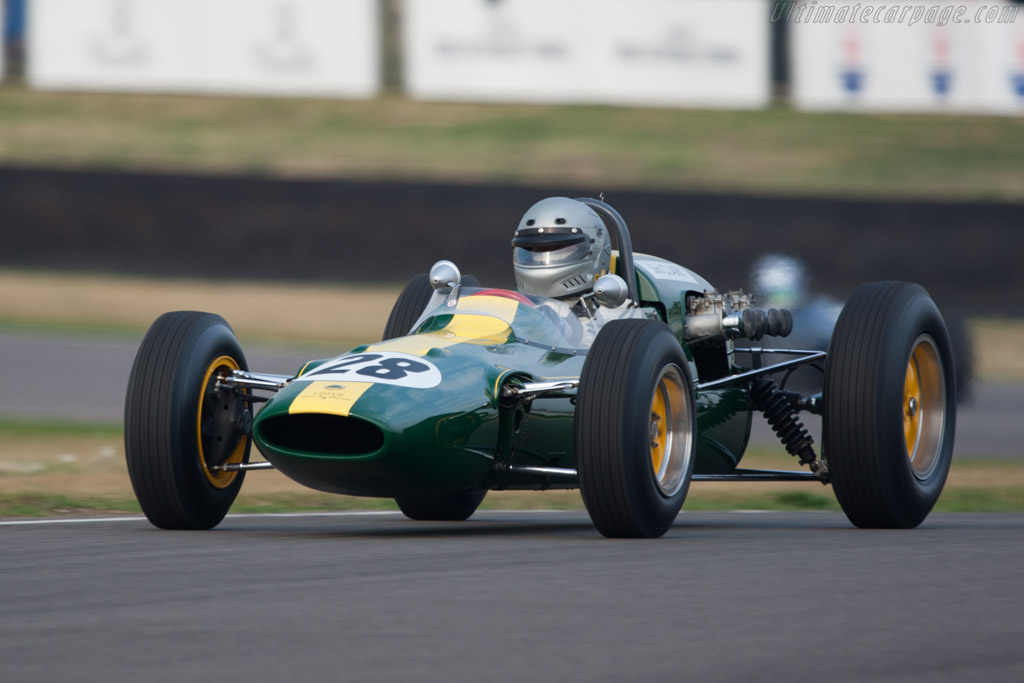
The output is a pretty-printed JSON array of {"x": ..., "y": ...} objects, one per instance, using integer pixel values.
[{"x": 783, "y": 281}]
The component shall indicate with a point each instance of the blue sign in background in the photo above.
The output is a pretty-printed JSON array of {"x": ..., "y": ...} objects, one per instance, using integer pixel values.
[{"x": 14, "y": 20}]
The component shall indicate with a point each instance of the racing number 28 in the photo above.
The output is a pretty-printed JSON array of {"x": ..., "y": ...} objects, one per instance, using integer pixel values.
[{"x": 374, "y": 365}]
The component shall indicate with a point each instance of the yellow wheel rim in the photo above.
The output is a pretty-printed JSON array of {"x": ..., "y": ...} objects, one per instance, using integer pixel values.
[
  {"x": 217, "y": 479},
  {"x": 659, "y": 418},
  {"x": 911, "y": 405},
  {"x": 924, "y": 406},
  {"x": 670, "y": 431}
]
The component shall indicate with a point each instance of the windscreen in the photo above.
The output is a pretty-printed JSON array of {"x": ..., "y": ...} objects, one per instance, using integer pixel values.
[{"x": 496, "y": 316}]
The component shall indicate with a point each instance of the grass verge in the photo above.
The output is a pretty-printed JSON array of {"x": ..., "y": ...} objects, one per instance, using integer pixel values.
[
  {"x": 50, "y": 469},
  {"x": 19, "y": 427},
  {"x": 49, "y": 466},
  {"x": 43, "y": 504},
  {"x": 776, "y": 150}
]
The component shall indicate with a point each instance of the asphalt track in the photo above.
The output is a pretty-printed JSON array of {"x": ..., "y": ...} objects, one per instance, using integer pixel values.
[
  {"x": 513, "y": 596},
  {"x": 84, "y": 378}
]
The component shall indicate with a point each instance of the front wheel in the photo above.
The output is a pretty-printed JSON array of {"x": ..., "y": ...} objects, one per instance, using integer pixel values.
[
  {"x": 635, "y": 429},
  {"x": 889, "y": 406},
  {"x": 178, "y": 426}
]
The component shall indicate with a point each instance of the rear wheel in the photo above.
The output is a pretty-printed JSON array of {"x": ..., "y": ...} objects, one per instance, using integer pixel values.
[
  {"x": 178, "y": 425},
  {"x": 634, "y": 429},
  {"x": 443, "y": 507},
  {"x": 890, "y": 406}
]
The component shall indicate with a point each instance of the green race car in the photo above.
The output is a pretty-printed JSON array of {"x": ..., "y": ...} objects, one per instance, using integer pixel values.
[{"x": 628, "y": 392}]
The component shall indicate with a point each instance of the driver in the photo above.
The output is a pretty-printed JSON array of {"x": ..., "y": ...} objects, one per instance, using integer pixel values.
[{"x": 560, "y": 248}]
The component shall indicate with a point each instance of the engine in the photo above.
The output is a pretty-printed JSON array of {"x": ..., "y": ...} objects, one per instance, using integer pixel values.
[{"x": 732, "y": 315}]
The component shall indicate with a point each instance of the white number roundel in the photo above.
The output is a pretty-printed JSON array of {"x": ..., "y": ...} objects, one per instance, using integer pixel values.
[{"x": 379, "y": 367}]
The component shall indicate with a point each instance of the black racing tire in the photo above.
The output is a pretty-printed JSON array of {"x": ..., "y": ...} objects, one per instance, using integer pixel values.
[
  {"x": 889, "y": 415},
  {"x": 175, "y": 420},
  {"x": 634, "y": 475},
  {"x": 408, "y": 307},
  {"x": 440, "y": 507},
  {"x": 411, "y": 302}
]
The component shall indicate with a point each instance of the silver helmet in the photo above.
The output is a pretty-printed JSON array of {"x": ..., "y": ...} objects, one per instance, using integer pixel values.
[{"x": 560, "y": 247}]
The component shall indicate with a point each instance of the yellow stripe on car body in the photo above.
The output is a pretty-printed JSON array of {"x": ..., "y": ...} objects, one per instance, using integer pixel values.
[
  {"x": 330, "y": 398},
  {"x": 481, "y": 319}
]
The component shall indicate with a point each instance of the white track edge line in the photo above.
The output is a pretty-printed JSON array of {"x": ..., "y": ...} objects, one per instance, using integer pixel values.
[
  {"x": 351, "y": 513},
  {"x": 242, "y": 515}
]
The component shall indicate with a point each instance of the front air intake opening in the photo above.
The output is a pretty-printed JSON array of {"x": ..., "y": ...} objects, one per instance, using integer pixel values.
[{"x": 321, "y": 434}]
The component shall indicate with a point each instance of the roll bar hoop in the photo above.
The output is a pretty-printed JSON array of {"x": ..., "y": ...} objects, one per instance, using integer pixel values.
[{"x": 617, "y": 225}]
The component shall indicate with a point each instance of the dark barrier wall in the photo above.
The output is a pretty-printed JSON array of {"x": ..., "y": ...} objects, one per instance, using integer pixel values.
[{"x": 968, "y": 254}]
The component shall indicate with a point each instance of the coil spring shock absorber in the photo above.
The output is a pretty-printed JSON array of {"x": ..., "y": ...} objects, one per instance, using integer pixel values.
[{"x": 766, "y": 396}]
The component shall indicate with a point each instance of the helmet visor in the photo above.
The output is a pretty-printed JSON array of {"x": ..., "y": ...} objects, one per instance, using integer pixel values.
[{"x": 550, "y": 256}]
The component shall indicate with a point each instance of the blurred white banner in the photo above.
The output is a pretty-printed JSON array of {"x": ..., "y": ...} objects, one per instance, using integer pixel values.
[
  {"x": 653, "y": 52},
  {"x": 273, "y": 47},
  {"x": 956, "y": 57}
]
